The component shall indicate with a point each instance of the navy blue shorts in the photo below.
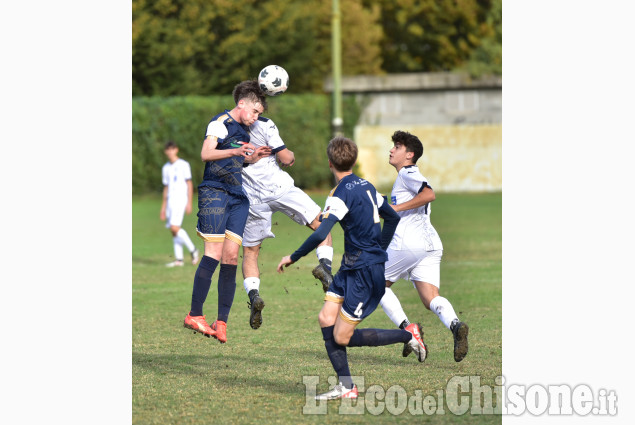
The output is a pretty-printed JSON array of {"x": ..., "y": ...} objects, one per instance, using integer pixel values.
[
  {"x": 221, "y": 215},
  {"x": 359, "y": 291}
]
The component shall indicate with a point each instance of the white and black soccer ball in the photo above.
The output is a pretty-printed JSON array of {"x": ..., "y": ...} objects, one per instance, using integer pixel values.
[{"x": 273, "y": 80}]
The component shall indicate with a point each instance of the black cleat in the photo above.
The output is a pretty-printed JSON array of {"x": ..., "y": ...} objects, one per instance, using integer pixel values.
[
  {"x": 324, "y": 275},
  {"x": 460, "y": 331},
  {"x": 406, "y": 350},
  {"x": 256, "y": 304}
]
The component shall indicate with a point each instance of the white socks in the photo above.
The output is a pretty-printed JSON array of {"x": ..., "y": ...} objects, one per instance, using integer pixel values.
[
  {"x": 324, "y": 251},
  {"x": 185, "y": 239},
  {"x": 178, "y": 248},
  {"x": 251, "y": 283},
  {"x": 392, "y": 307},
  {"x": 442, "y": 308}
]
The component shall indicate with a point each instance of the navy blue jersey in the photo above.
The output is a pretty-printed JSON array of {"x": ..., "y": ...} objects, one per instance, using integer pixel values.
[
  {"x": 355, "y": 203},
  {"x": 226, "y": 173}
]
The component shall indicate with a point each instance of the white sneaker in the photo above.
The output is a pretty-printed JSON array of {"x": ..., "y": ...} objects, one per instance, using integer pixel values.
[
  {"x": 195, "y": 257},
  {"x": 338, "y": 391},
  {"x": 175, "y": 263},
  {"x": 416, "y": 344}
]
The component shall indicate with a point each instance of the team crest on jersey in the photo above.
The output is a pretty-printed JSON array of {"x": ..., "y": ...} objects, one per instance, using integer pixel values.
[{"x": 351, "y": 185}]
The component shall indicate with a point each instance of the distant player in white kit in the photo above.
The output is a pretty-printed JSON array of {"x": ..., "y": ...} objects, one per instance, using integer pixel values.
[
  {"x": 415, "y": 251},
  {"x": 271, "y": 189},
  {"x": 177, "y": 201}
]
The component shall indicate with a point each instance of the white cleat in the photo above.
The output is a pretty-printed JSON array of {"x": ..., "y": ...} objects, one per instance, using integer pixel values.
[
  {"x": 338, "y": 391},
  {"x": 175, "y": 263},
  {"x": 416, "y": 344}
]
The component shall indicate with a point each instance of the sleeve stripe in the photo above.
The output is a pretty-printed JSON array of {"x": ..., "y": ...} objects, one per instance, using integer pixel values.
[{"x": 276, "y": 150}]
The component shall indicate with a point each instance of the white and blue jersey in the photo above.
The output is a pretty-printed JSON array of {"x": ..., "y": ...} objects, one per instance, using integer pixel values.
[
  {"x": 226, "y": 173},
  {"x": 415, "y": 231},
  {"x": 264, "y": 181}
]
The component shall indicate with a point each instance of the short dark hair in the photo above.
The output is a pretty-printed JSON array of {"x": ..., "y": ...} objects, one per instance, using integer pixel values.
[
  {"x": 410, "y": 141},
  {"x": 250, "y": 90},
  {"x": 171, "y": 144},
  {"x": 342, "y": 152}
]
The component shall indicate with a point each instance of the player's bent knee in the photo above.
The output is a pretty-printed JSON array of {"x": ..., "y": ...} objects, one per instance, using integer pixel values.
[
  {"x": 325, "y": 319},
  {"x": 342, "y": 339}
]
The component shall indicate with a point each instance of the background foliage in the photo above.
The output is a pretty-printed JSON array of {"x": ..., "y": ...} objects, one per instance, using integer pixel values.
[
  {"x": 303, "y": 121},
  {"x": 203, "y": 47}
]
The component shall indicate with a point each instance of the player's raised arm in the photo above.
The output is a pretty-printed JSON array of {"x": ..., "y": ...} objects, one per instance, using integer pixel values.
[
  {"x": 391, "y": 220},
  {"x": 310, "y": 243}
]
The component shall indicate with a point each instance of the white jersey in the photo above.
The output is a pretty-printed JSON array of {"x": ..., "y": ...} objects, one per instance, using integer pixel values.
[
  {"x": 175, "y": 176},
  {"x": 265, "y": 181},
  {"x": 414, "y": 231}
]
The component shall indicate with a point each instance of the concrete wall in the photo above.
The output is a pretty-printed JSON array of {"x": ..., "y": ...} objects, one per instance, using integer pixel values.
[{"x": 458, "y": 120}]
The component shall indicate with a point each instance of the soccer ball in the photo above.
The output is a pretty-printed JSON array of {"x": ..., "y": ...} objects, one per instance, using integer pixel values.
[{"x": 273, "y": 80}]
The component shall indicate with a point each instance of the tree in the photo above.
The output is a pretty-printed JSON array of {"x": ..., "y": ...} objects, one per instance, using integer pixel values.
[
  {"x": 487, "y": 57},
  {"x": 430, "y": 35},
  {"x": 207, "y": 46}
]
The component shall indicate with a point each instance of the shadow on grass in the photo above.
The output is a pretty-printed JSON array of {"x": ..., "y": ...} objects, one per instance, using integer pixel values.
[
  {"x": 220, "y": 369},
  {"x": 147, "y": 261}
]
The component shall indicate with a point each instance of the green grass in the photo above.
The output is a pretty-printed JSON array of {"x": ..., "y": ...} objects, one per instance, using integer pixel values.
[{"x": 179, "y": 377}]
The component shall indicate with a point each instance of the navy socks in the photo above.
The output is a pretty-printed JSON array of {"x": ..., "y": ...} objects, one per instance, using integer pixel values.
[
  {"x": 374, "y": 337},
  {"x": 226, "y": 290},
  {"x": 337, "y": 355},
  {"x": 202, "y": 283}
]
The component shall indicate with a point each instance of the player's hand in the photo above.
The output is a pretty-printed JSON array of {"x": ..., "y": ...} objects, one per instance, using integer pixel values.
[
  {"x": 162, "y": 215},
  {"x": 188, "y": 209},
  {"x": 285, "y": 262},
  {"x": 245, "y": 150},
  {"x": 259, "y": 153}
]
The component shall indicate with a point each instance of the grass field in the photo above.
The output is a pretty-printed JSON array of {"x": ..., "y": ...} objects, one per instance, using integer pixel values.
[{"x": 179, "y": 377}]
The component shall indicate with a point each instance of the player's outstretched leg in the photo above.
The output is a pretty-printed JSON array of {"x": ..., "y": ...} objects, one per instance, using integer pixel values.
[
  {"x": 459, "y": 331},
  {"x": 416, "y": 344},
  {"x": 255, "y": 304},
  {"x": 323, "y": 272},
  {"x": 393, "y": 309}
]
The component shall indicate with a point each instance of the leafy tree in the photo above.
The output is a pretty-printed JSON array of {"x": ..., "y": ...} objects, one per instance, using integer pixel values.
[
  {"x": 429, "y": 35},
  {"x": 487, "y": 57},
  {"x": 207, "y": 46}
]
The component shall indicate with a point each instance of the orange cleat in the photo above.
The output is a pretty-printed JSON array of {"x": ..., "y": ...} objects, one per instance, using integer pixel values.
[
  {"x": 198, "y": 324},
  {"x": 220, "y": 331}
]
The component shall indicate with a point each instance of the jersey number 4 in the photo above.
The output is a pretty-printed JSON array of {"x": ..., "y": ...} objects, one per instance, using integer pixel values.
[{"x": 358, "y": 310}]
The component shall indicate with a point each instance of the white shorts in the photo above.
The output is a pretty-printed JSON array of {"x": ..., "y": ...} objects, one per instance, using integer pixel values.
[
  {"x": 174, "y": 214},
  {"x": 295, "y": 204},
  {"x": 420, "y": 266}
]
